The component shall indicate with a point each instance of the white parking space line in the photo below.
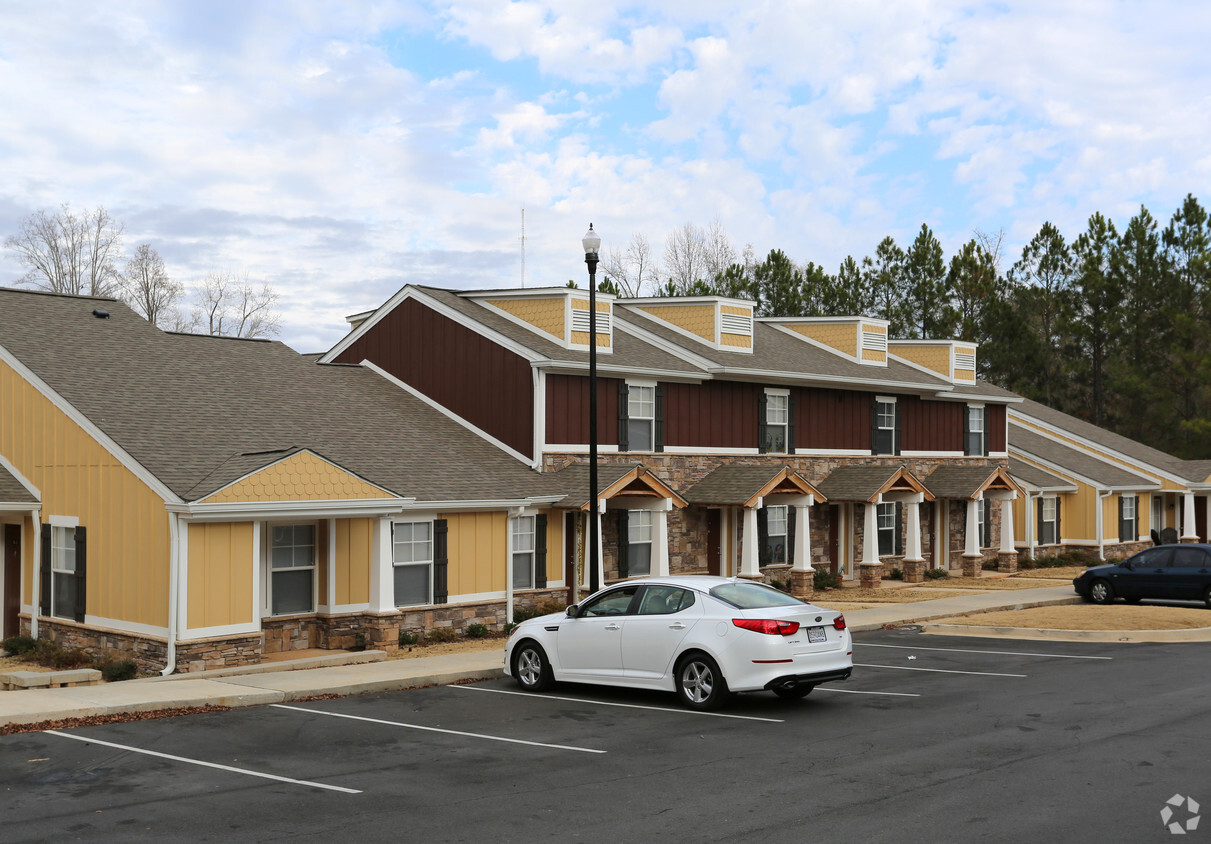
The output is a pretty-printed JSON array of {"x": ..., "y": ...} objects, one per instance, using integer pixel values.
[
  {"x": 939, "y": 670},
  {"x": 965, "y": 651},
  {"x": 203, "y": 764},
  {"x": 857, "y": 692},
  {"x": 534, "y": 696},
  {"x": 436, "y": 729}
]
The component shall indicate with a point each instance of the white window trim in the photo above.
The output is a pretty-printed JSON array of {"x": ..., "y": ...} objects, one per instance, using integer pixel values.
[
  {"x": 631, "y": 525},
  {"x": 880, "y": 529},
  {"x": 514, "y": 524},
  {"x": 651, "y": 420},
  {"x": 417, "y": 563},
  {"x": 267, "y": 538},
  {"x": 879, "y": 425},
  {"x": 1054, "y": 502},
  {"x": 786, "y": 432},
  {"x": 1135, "y": 515},
  {"x": 56, "y": 571},
  {"x": 785, "y": 534}
]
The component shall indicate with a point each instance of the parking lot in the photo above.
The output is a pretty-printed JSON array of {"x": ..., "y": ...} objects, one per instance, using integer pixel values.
[{"x": 934, "y": 738}]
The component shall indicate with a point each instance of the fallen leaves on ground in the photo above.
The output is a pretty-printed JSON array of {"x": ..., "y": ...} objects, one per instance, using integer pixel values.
[{"x": 1093, "y": 617}]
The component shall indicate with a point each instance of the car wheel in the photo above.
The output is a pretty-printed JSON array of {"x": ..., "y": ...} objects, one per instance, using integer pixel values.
[
  {"x": 700, "y": 683},
  {"x": 794, "y": 692},
  {"x": 531, "y": 669},
  {"x": 1101, "y": 592}
]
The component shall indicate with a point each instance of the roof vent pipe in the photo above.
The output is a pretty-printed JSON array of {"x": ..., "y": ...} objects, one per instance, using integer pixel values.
[{"x": 101, "y": 313}]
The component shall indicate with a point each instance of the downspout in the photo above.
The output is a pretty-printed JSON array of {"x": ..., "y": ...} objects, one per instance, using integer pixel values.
[
  {"x": 174, "y": 587},
  {"x": 36, "y": 609},
  {"x": 1101, "y": 533},
  {"x": 1032, "y": 524}
]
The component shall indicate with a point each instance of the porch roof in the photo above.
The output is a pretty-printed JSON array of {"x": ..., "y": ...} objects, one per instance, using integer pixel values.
[
  {"x": 613, "y": 481},
  {"x": 741, "y": 486},
  {"x": 866, "y": 483},
  {"x": 1034, "y": 479},
  {"x": 1064, "y": 458},
  {"x": 12, "y": 491},
  {"x": 968, "y": 482}
]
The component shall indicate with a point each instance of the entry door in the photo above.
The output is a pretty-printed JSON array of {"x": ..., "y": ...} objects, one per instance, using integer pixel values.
[
  {"x": 12, "y": 579},
  {"x": 714, "y": 551}
]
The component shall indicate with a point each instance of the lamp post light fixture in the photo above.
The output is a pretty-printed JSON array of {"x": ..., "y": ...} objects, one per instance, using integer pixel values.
[{"x": 591, "y": 243}]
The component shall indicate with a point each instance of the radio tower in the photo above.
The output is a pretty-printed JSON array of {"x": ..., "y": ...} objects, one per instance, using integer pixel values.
[{"x": 523, "y": 246}]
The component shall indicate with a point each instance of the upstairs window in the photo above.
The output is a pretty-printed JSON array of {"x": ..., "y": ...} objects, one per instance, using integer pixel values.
[
  {"x": 776, "y": 422},
  {"x": 975, "y": 441},
  {"x": 885, "y": 433},
  {"x": 640, "y": 417}
]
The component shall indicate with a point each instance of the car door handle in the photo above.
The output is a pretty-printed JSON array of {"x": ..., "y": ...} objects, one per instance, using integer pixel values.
[
  {"x": 676, "y": 625},
  {"x": 612, "y": 626}
]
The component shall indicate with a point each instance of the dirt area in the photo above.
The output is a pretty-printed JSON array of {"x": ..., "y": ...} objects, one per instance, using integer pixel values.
[
  {"x": 458, "y": 646},
  {"x": 12, "y": 663},
  {"x": 989, "y": 584},
  {"x": 1062, "y": 573},
  {"x": 903, "y": 595},
  {"x": 1092, "y": 617}
]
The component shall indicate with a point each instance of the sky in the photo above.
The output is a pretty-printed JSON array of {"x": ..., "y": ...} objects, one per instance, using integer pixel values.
[{"x": 338, "y": 151}]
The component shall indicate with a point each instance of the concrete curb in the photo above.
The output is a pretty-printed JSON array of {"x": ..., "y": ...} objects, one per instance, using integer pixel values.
[
  {"x": 866, "y": 626},
  {"x": 273, "y": 667}
]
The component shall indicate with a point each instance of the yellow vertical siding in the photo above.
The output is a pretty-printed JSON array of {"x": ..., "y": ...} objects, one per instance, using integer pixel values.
[
  {"x": 128, "y": 540},
  {"x": 354, "y": 541},
  {"x": 221, "y": 575},
  {"x": 477, "y": 551}
]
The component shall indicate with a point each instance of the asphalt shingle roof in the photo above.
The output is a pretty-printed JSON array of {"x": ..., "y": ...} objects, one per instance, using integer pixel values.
[
  {"x": 195, "y": 410},
  {"x": 731, "y": 485},
  {"x": 12, "y": 491},
  {"x": 855, "y": 483},
  {"x": 1105, "y": 475},
  {"x": 1036, "y": 478},
  {"x": 573, "y": 481},
  {"x": 953, "y": 481}
]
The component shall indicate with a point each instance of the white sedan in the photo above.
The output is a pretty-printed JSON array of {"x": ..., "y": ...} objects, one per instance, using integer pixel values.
[{"x": 697, "y": 635}]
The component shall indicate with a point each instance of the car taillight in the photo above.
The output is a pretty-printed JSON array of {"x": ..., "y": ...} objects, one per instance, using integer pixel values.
[
  {"x": 839, "y": 622},
  {"x": 768, "y": 626}
]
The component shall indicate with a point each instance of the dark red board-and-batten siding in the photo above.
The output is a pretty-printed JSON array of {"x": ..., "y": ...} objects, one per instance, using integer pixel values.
[
  {"x": 714, "y": 414},
  {"x": 568, "y": 410},
  {"x": 832, "y": 419},
  {"x": 481, "y": 381},
  {"x": 931, "y": 425}
]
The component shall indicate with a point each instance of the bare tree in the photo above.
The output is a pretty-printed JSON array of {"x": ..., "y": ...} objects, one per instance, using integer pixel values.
[
  {"x": 718, "y": 252},
  {"x": 633, "y": 270},
  {"x": 685, "y": 256},
  {"x": 229, "y": 305},
  {"x": 992, "y": 243},
  {"x": 147, "y": 288},
  {"x": 68, "y": 253}
]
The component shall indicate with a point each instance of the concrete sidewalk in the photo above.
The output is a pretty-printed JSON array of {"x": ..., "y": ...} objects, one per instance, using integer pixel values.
[{"x": 283, "y": 682}]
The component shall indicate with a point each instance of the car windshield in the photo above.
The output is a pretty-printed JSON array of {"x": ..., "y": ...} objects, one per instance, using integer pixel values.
[{"x": 752, "y": 596}]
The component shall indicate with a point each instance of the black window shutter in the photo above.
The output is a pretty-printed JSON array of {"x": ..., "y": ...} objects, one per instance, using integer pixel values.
[
  {"x": 790, "y": 424},
  {"x": 896, "y": 435},
  {"x": 874, "y": 425},
  {"x": 761, "y": 417},
  {"x": 1057, "y": 520},
  {"x": 81, "y": 573},
  {"x": 441, "y": 561},
  {"x": 624, "y": 537},
  {"x": 45, "y": 586},
  {"x": 763, "y": 531},
  {"x": 899, "y": 534},
  {"x": 791, "y": 515},
  {"x": 540, "y": 551},
  {"x": 1122, "y": 521},
  {"x": 659, "y": 434},
  {"x": 624, "y": 416}
]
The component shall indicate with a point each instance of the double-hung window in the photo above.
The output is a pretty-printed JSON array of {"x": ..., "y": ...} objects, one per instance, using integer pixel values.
[
  {"x": 1128, "y": 524},
  {"x": 1049, "y": 521},
  {"x": 292, "y": 568},
  {"x": 974, "y": 440},
  {"x": 641, "y": 418},
  {"x": 775, "y": 433},
  {"x": 777, "y": 532},
  {"x": 63, "y": 572},
  {"x": 984, "y": 522},
  {"x": 885, "y": 517},
  {"x": 639, "y": 542},
  {"x": 523, "y": 550},
  {"x": 885, "y": 433},
  {"x": 412, "y": 556}
]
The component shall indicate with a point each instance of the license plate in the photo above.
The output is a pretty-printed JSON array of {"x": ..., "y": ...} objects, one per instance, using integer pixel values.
[{"x": 816, "y": 634}]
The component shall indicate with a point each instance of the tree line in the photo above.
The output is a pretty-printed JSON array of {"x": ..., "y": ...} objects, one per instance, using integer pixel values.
[
  {"x": 80, "y": 253},
  {"x": 1108, "y": 326}
]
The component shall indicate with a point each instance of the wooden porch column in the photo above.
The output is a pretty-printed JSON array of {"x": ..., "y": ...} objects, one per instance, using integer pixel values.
[
  {"x": 749, "y": 566},
  {"x": 871, "y": 570},
  {"x": 1189, "y": 526},
  {"x": 914, "y": 560},
  {"x": 971, "y": 540}
]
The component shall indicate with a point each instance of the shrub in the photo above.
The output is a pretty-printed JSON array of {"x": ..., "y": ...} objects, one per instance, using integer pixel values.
[
  {"x": 825, "y": 579},
  {"x": 19, "y": 645},
  {"x": 778, "y": 584},
  {"x": 896, "y": 574},
  {"x": 53, "y": 655},
  {"x": 551, "y": 606},
  {"x": 521, "y": 614},
  {"x": 509, "y": 627},
  {"x": 408, "y": 637},
  {"x": 440, "y": 634},
  {"x": 937, "y": 574},
  {"x": 119, "y": 669},
  {"x": 477, "y": 630}
]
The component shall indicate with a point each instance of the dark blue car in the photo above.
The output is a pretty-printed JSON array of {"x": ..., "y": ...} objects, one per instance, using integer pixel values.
[{"x": 1175, "y": 572}]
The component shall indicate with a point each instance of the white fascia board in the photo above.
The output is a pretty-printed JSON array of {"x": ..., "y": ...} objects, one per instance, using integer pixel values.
[
  {"x": 104, "y": 440},
  {"x": 578, "y": 448},
  {"x": 935, "y": 454},
  {"x": 262, "y": 510},
  {"x": 449, "y": 414},
  {"x": 25, "y": 482},
  {"x": 968, "y": 397},
  {"x": 19, "y": 507},
  {"x": 409, "y": 292},
  {"x": 674, "y": 349},
  {"x": 489, "y": 504},
  {"x": 769, "y": 375},
  {"x": 1100, "y": 451},
  {"x": 552, "y": 367}
]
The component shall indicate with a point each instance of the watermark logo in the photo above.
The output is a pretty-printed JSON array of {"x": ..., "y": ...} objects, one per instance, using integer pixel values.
[{"x": 1173, "y": 808}]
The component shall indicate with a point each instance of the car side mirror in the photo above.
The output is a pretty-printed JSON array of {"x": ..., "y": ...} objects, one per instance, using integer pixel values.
[{"x": 571, "y": 611}]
